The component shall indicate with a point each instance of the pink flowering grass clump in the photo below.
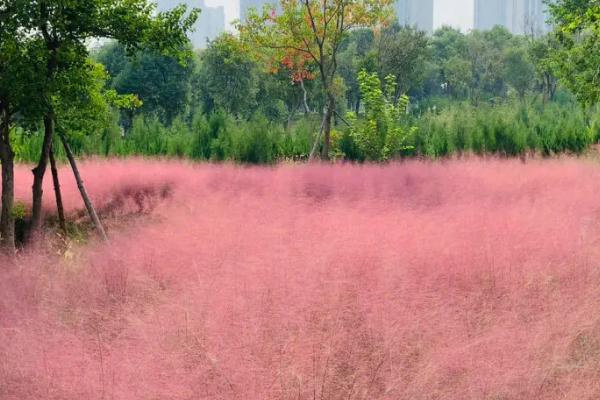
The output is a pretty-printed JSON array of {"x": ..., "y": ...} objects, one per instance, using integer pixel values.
[{"x": 474, "y": 279}]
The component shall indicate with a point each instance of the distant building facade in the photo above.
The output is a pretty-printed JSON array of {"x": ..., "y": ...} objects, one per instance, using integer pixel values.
[
  {"x": 210, "y": 24},
  {"x": 490, "y": 13},
  {"x": 527, "y": 17},
  {"x": 416, "y": 13},
  {"x": 518, "y": 16}
]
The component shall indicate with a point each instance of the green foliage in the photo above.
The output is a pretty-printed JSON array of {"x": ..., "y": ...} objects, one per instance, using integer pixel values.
[
  {"x": 161, "y": 83},
  {"x": 19, "y": 211},
  {"x": 540, "y": 51},
  {"x": 381, "y": 133},
  {"x": 297, "y": 142},
  {"x": 356, "y": 54},
  {"x": 513, "y": 128},
  {"x": 577, "y": 58},
  {"x": 56, "y": 34},
  {"x": 17, "y": 67},
  {"x": 519, "y": 72},
  {"x": 227, "y": 78},
  {"x": 312, "y": 31},
  {"x": 262, "y": 97},
  {"x": 217, "y": 137},
  {"x": 402, "y": 52},
  {"x": 510, "y": 129},
  {"x": 478, "y": 66}
]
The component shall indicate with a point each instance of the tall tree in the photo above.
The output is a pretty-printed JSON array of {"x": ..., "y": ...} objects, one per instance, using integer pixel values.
[
  {"x": 540, "y": 50},
  {"x": 16, "y": 84},
  {"x": 577, "y": 59},
  {"x": 227, "y": 78},
  {"x": 8, "y": 50},
  {"x": 62, "y": 28},
  {"x": 316, "y": 28},
  {"x": 162, "y": 83},
  {"x": 356, "y": 54},
  {"x": 402, "y": 52},
  {"x": 519, "y": 71}
]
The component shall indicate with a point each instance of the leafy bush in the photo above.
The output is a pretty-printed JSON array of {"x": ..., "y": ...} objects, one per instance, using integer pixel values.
[
  {"x": 19, "y": 210},
  {"x": 382, "y": 132},
  {"x": 296, "y": 143},
  {"x": 509, "y": 129}
]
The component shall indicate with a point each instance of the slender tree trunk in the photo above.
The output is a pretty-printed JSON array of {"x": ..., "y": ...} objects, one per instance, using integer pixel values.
[
  {"x": 86, "y": 199},
  {"x": 330, "y": 109},
  {"x": 57, "y": 193},
  {"x": 39, "y": 171},
  {"x": 291, "y": 116},
  {"x": 315, "y": 148},
  {"x": 304, "y": 97},
  {"x": 7, "y": 219},
  {"x": 551, "y": 87}
]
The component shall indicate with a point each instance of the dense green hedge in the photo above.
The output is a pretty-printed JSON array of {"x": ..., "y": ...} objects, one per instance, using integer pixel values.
[{"x": 508, "y": 129}]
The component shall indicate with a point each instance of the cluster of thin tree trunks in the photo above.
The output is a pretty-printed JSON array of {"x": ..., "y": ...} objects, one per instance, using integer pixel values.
[{"x": 7, "y": 220}]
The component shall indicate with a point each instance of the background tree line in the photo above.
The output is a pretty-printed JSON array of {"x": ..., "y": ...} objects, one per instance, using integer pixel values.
[{"x": 482, "y": 92}]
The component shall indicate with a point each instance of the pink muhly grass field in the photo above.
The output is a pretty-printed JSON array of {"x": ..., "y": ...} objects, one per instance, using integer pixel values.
[{"x": 457, "y": 280}]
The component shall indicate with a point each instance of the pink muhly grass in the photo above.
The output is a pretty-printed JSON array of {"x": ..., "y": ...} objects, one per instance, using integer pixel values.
[{"x": 457, "y": 280}]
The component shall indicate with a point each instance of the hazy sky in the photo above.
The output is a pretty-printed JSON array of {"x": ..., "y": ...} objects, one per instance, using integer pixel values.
[{"x": 457, "y": 13}]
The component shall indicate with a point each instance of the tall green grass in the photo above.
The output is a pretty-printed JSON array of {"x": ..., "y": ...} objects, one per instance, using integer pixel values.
[
  {"x": 217, "y": 137},
  {"x": 508, "y": 129}
]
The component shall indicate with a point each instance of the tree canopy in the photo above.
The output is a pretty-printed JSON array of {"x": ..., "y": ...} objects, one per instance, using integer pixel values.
[
  {"x": 316, "y": 29},
  {"x": 577, "y": 60},
  {"x": 44, "y": 49}
]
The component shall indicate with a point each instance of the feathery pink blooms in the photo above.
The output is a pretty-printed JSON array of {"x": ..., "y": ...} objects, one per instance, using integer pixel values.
[{"x": 455, "y": 280}]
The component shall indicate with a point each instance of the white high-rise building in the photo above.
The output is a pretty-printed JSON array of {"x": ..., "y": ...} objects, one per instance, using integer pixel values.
[
  {"x": 490, "y": 13},
  {"x": 527, "y": 17},
  {"x": 210, "y": 24},
  {"x": 518, "y": 16},
  {"x": 415, "y": 13}
]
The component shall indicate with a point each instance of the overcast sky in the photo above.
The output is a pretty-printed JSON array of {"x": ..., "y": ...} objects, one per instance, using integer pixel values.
[{"x": 457, "y": 13}]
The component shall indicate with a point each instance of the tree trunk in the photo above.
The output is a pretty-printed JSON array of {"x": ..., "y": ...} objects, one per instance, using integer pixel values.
[
  {"x": 330, "y": 109},
  {"x": 313, "y": 152},
  {"x": 7, "y": 219},
  {"x": 304, "y": 97},
  {"x": 551, "y": 86},
  {"x": 86, "y": 199},
  {"x": 39, "y": 171},
  {"x": 291, "y": 116},
  {"x": 57, "y": 193}
]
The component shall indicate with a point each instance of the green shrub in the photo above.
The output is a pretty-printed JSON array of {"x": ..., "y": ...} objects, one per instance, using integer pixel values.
[
  {"x": 509, "y": 129},
  {"x": 382, "y": 132},
  {"x": 19, "y": 210},
  {"x": 296, "y": 143}
]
